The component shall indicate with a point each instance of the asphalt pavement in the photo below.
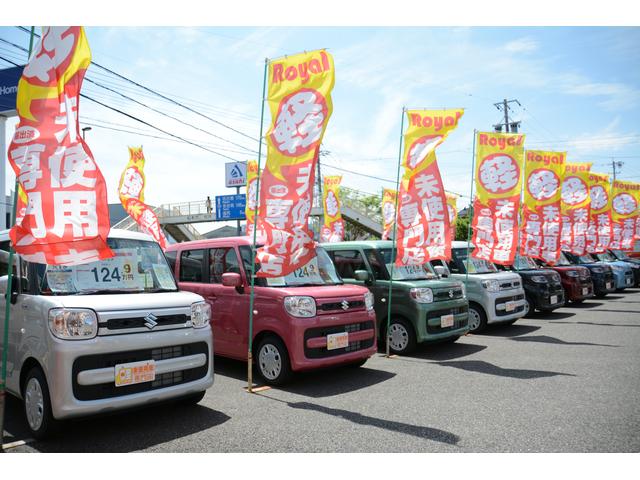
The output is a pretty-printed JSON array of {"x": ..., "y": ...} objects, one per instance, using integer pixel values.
[{"x": 562, "y": 382}]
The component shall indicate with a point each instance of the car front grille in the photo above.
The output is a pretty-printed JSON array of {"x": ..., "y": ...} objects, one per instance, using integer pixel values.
[
  {"x": 457, "y": 323},
  {"x": 504, "y": 313},
  {"x": 108, "y": 360},
  {"x": 509, "y": 285},
  {"x": 139, "y": 322},
  {"x": 341, "y": 306},
  {"x": 447, "y": 294}
]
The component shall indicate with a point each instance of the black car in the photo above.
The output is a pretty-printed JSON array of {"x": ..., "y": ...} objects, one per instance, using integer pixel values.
[
  {"x": 542, "y": 287},
  {"x": 601, "y": 273},
  {"x": 623, "y": 257}
]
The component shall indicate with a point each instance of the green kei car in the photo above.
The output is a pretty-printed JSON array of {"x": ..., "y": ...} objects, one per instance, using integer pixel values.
[{"x": 424, "y": 307}]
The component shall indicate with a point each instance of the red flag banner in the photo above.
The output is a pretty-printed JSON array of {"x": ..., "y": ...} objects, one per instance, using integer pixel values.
[
  {"x": 299, "y": 99},
  {"x": 62, "y": 213},
  {"x": 575, "y": 207},
  {"x": 599, "y": 230},
  {"x": 541, "y": 222},
  {"x": 131, "y": 193},
  {"x": 423, "y": 221},
  {"x": 625, "y": 201},
  {"x": 498, "y": 180}
]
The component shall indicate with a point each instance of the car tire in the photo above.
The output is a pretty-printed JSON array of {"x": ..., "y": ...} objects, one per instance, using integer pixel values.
[
  {"x": 37, "y": 405},
  {"x": 192, "y": 399},
  {"x": 403, "y": 338},
  {"x": 272, "y": 360},
  {"x": 528, "y": 307},
  {"x": 477, "y": 318}
]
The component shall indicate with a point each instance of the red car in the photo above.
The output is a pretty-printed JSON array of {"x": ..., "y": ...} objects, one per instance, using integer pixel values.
[
  {"x": 306, "y": 320},
  {"x": 576, "y": 280}
]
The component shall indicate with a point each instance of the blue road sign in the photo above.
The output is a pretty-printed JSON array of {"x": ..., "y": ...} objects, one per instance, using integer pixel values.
[
  {"x": 9, "y": 78},
  {"x": 230, "y": 207}
]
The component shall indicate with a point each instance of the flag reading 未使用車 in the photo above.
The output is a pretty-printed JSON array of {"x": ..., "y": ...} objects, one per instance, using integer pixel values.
[
  {"x": 600, "y": 229},
  {"x": 62, "y": 211},
  {"x": 251, "y": 205},
  {"x": 625, "y": 201},
  {"x": 423, "y": 228},
  {"x": 131, "y": 193},
  {"x": 541, "y": 219},
  {"x": 498, "y": 180},
  {"x": 333, "y": 227},
  {"x": 575, "y": 207},
  {"x": 388, "y": 212},
  {"x": 299, "y": 98}
]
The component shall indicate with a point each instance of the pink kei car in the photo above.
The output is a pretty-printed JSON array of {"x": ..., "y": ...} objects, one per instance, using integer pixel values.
[{"x": 308, "y": 319}]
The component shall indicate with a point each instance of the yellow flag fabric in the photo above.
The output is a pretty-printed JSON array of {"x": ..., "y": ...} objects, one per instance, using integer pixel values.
[
  {"x": 498, "y": 170},
  {"x": 333, "y": 228},
  {"x": 625, "y": 198},
  {"x": 544, "y": 172},
  {"x": 575, "y": 186},
  {"x": 388, "y": 212},
  {"x": 251, "y": 205},
  {"x": 132, "y": 180}
]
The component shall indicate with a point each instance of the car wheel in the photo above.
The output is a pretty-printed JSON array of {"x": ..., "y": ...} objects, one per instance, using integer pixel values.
[
  {"x": 273, "y": 362},
  {"x": 477, "y": 319},
  {"x": 401, "y": 337},
  {"x": 192, "y": 399},
  {"x": 528, "y": 307},
  {"x": 37, "y": 405}
]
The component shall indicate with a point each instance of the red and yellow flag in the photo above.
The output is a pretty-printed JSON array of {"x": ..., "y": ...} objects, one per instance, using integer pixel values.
[
  {"x": 423, "y": 221},
  {"x": 131, "y": 193},
  {"x": 575, "y": 205},
  {"x": 498, "y": 180},
  {"x": 388, "y": 211},
  {"x": 62, "y": 212},
  {"x": 452, "y": 210},
  {"x": 542, "y": 221},
  {"x": 625, "y": 201},
  {"x": 333, "y": 228},
  {"x": 252, "y": 196},
  {"x": 600, "y": 228},
  {"x": 299, "y": 99}
]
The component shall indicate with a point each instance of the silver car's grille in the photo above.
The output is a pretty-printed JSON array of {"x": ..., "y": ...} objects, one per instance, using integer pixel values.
[
  {"x": 510, "y": 285},
  {"x": 143, "y": 321}
]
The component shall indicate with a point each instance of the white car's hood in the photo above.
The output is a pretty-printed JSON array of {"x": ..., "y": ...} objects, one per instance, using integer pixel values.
[{"x": 128, "y": 301}]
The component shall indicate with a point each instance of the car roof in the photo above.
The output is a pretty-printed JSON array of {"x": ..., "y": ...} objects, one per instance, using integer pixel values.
[
  {"x": 360, "y": 243},
  {"x": 212, "y": 242}
]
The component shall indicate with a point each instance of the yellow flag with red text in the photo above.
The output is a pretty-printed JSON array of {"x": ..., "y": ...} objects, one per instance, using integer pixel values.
[
  {"x": 299, "y": 99},
  {"x": 388, "y": 212},
  {"x": 251, "y": 205},
  {"x": 625, "y": 201},
  {"x": 333, "y": 227},
  {"x": 575, "y": 205},
  {"x": 600, "y": 226}
]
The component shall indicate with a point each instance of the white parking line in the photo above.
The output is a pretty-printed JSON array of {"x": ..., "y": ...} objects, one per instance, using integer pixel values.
[{"x": 17, "y": 443}]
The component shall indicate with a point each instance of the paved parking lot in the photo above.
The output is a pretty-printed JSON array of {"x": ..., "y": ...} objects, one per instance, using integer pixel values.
[{"x": 565, "y": 382}]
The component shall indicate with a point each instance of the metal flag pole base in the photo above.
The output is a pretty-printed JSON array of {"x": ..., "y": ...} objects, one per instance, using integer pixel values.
[{"x": 249, "y": 372}]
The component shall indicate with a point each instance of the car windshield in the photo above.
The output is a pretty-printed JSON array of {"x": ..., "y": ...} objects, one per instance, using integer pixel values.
[
  {"x": 586, "y": 258},
  {"x": 524, "y": 263},
  {"x": 138, "y": 266},
  {"x": 406, "y": 272},
  {"x": 476, "y": 265},
  {"x": 563, "y": 261},
  {"x": 619, "y": 254},
  {"x": 606, "y": 257},
  {"x": 318, "y": 271}
]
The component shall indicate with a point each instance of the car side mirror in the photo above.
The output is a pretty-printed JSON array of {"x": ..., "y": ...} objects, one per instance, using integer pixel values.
[
  {"x": 231, "y": 279},
  {"x": 441, "y": 271},
  {"x": 362, "y": 276}
]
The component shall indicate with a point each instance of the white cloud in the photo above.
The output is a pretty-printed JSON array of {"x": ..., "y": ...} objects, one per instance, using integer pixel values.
[{"x": 522, "y": 45}]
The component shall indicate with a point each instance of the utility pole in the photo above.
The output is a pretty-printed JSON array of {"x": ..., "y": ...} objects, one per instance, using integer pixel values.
[
  {"x": 615, "y": 165},
  {"x": 504, "y": 107}
]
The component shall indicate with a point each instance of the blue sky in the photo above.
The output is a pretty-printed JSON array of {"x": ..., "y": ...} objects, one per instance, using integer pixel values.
[{"x": 579, "y": 89}]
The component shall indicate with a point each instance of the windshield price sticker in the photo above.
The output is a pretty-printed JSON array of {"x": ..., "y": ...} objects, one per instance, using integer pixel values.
[
  {"x": 408, "y": 272},
  {"x": 164, "y": 276},
  {"x": 310, "y": 273},
  {"x": 337, "y": 340},
  {"x": 135, "y": 372},
  {"x": 60, "y": 279},
  {"x": 120, "y": 271},
  {"x": 446, "y": 321}
]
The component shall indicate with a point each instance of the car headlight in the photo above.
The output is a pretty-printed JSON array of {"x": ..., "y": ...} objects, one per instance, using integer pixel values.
[
  {"x": 597, "y": 270},
  {"x": 556, "y": 276},
  {"x": 421, "y": 295},
  {"x": 73, "y": 323},
  {"x": 300, "y": 306},
  {"x": 539, "y": 279},
  {"x": 368, "y": 300},
  {"x": 572, "y": 273},
  {"x": 491, "y": 285},
  {"x": 200, "y": 314}
]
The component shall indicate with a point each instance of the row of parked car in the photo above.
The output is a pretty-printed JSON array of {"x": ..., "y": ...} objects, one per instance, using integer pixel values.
[{"x": 143, "y": 327}]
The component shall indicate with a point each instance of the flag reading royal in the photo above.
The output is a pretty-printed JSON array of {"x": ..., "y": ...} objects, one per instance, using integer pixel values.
[
  {"x": 333, "y": 227},
  {"x": 542, "y": 222},
  {"x": 575, "y": 207},
  {"x": 625, "y": 201},
  {"x": 600, "y": 223},
  {"x": 424, "y": 232},
  {"x": 498, "y": 180},
  {"x": 62, "y": 212},
  {"x": 299, "y": 98},
  {"x": 131, "y": 193}
]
